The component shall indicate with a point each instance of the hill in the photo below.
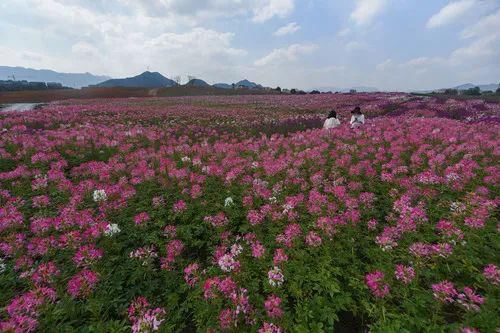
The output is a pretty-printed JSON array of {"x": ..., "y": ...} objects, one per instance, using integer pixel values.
[
  {"x": 144, "y": 80},
  {"x": 248, "y": 84},
  {"x": 223, "y": 86},
  {"x": 73, "y": 80},
  {"x": 197, "y": 83},
  {"x": 483, "y": 87}
]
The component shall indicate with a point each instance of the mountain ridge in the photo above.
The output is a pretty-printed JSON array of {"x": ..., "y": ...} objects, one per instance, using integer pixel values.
[
  {"x": 144, "y": 80},
  {"x": 73, "y": 80}
]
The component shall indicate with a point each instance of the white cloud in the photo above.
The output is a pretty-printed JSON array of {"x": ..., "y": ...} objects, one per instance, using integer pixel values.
[
  {"x": 199, "y": 42},
  {"x": 366, "y": 10},
  {"x": 450, "y": 13},
  {"x": 267, "y": 9},
  {"x": 485, "y": 47},
  {"x": 288, "y": 29},
  {"x": 85, "y": 49},
  {"x": 344, "y": 32},
  {"x": 423, "y": 62},
  {"x": 355, "y": 46},
  {"x": 284, "y": 55},
  {"x": 487, "y": 25},
  {"x": 387, "y": 64},
  {"x": 261, "y": 10}
]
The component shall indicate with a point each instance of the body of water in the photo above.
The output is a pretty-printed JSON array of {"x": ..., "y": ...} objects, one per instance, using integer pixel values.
[{"x": 20, "y": 107}]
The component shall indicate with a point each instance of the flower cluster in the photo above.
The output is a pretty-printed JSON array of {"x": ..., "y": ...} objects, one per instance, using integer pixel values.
[
  {"x": 145, "y": 319},
  {"x": 375, "y": 281},
  {"x": 203, "y": 204}
]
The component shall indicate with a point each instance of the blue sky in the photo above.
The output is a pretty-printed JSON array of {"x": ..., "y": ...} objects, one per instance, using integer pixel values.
[{"x": 389, "y": 44}]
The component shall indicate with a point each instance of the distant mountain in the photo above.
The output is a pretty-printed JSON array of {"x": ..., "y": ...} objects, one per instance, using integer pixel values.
[
  {"x": 144, "y": 80},
  {"x": 73, "y": 80},
  {"x": 483, "y": 87},
  {"x": 247, "y": 84},
  {"x": 223, "y": 86},
  {"x": 197, "y": 83}
]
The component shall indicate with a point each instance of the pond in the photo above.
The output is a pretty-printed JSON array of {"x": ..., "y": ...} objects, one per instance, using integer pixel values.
[{"x": 20, "y": 107}]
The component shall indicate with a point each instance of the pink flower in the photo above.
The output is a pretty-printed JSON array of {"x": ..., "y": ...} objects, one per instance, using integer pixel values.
[
  {"x": 227, "y": 263},
  {"x": 272, "y": 306},
  {"x": 313, "y": 239},
  {"x": 208, "y": 287},
  {"x": 218, "y": 220},
  {"x": 374, "y": 281},
  {"x": 190, "y": 274},
  {"x": 45, "y": 273},
  {"x": 492, "y": 273},
  {"x": 404, "y": 274},
  {"x": 170, "y": 231},
  {"x": 444, "y": 291},
  {"x": 258, "y": 249},
  {"x": 143, "y": 318},
  {"x": 226, "y": 319},
  {"x": 141, "y": 218},
  {"x": 255, "y": 217},
  {"x": 82, "y": 284},
  {"x": 276, "y": 277},
  {"x": 227, "y": 287},
  {"x": 468, "y": 330},
  {"x": 469, "y": 299},
  {"x": 269, "y": 328},
  {"x": 372, "y": 224},
  {"x": 279, "y": 256},
  {"x": 179, "y": 206},
  {"x": 87, "y": 255}
]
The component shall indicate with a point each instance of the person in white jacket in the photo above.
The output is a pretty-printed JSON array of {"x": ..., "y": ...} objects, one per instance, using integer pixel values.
[
  {"x": 357, "y": 118},
  {"x": 332, "y": 121}
]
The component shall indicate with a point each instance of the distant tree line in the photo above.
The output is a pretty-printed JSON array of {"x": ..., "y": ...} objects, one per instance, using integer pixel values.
[
  {"x": 475, "y": 91},
  {"x": 11, "y": 85}
]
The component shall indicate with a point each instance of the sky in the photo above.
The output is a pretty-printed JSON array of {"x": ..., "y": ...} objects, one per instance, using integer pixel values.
[{"x": 394, "y": 45}]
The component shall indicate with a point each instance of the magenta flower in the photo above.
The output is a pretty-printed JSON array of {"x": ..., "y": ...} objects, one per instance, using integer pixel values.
[
  {"x": 375, "y": 282},
  {"x": 404, "y": 274},
  {"x": 82, "y": 284},
  {"x": 492, "y": 274},
  {"x": 141, "y": 218},
  {"x": 272, "y": 306}
]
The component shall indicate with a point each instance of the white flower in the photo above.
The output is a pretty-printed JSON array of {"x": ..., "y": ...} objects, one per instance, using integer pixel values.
[
  {"x": 236, "y": 249},
  {"x": 228, "y": 202},
  {"x": 3, "y": 266},
  {"x": 112, "y": 229},
  {"x": 186, "y": 159},
  {"x": 276, "y": 277},
  {"x": 227, "y": 263},
  {"x": 273, "y": 200},
  {"x": 100, "y": 195}
]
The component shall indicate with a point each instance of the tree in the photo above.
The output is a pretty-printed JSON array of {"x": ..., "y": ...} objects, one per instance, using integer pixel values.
[
  {"x": 178, "y": 79},
  {"x": 451, "y": 92},
  {"x": 278, "y": 89},
  {"x": 293, "y": 91},
  {"x": 498, "y": 91},
  {"x": 476, "y": 91}
]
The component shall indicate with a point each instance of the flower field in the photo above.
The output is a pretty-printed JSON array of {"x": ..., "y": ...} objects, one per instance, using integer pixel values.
[{"x": 240, "y": 214}]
